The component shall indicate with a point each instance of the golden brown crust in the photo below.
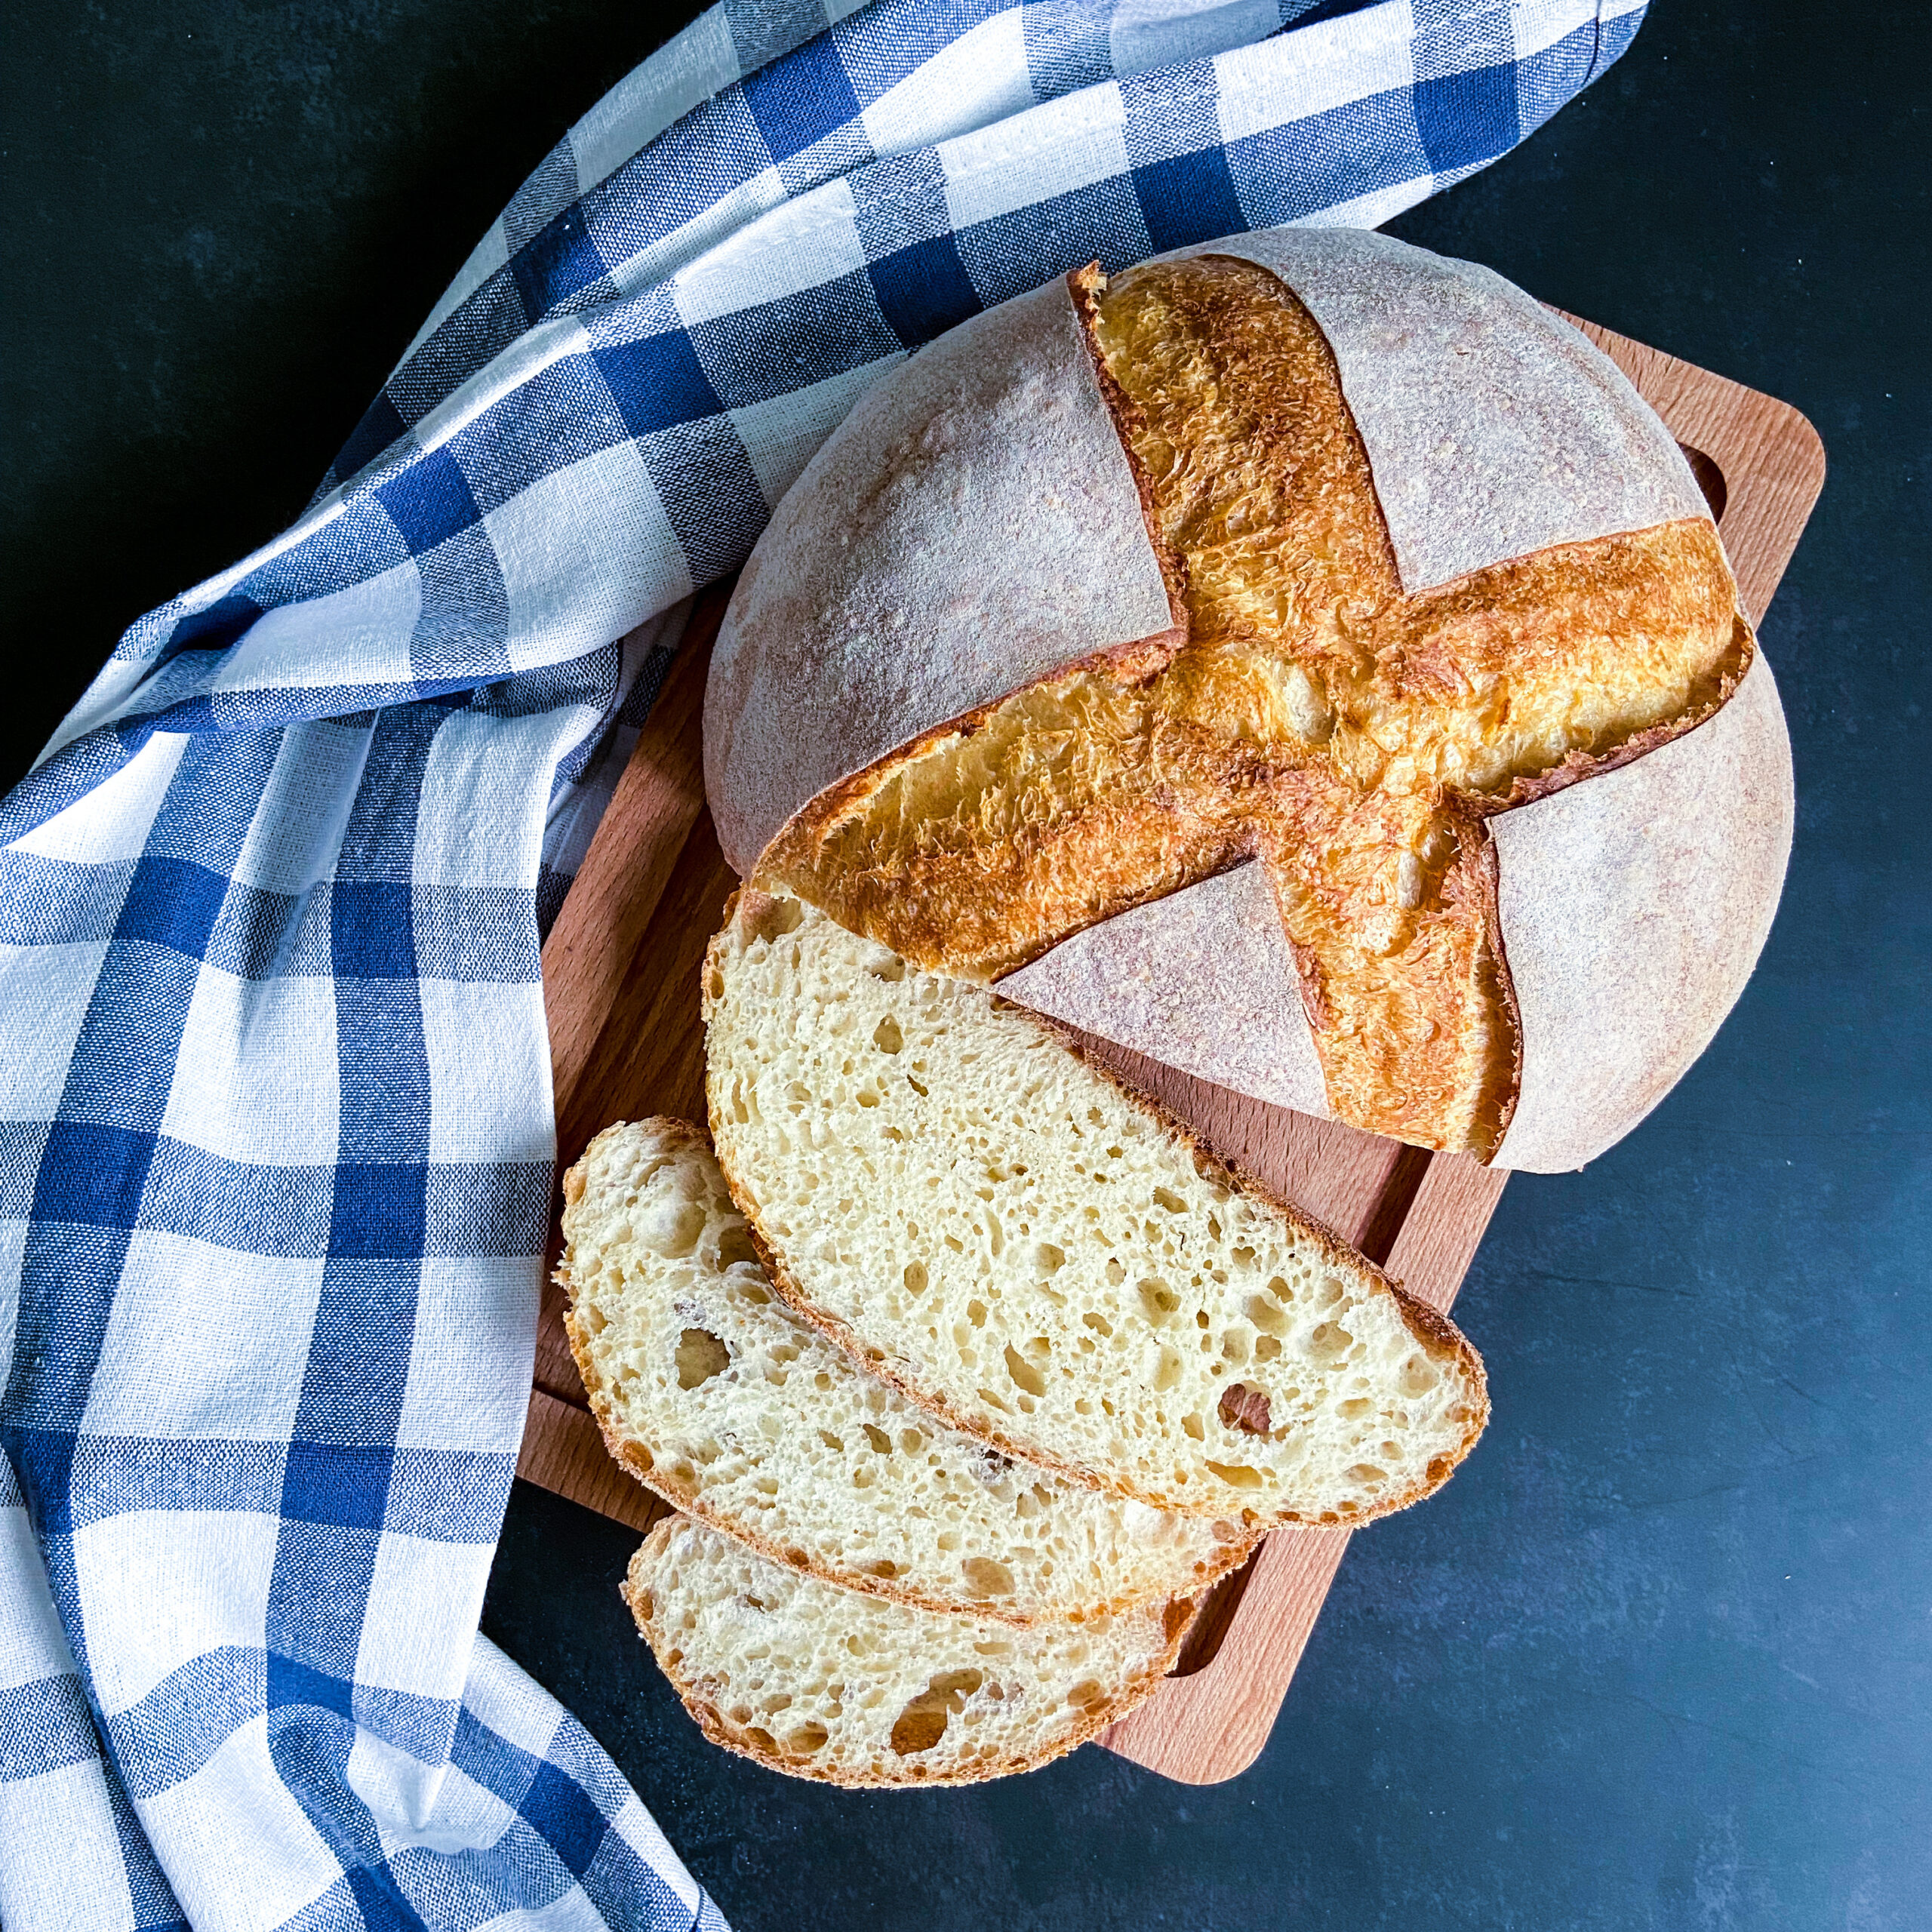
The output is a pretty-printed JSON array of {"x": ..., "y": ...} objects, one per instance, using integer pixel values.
[
  {"x": 1728, "y": 674},
  {"x": 1495, "y": 1099},
  {"x": 1086, "y": 285},
  {"x": 1354, "y": 737},
  {"x": 1093, "y": 1719},
  {"x": 1434, "y": 1332},
  {"x": 636, "y": 1459}
]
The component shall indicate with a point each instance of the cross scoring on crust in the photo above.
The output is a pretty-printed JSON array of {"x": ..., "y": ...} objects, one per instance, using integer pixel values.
[{"x": 1352, "y": 737}]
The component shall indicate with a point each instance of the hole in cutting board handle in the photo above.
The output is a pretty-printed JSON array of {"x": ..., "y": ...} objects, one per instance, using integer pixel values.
[
  {"x": 1202, "y": 1644},
  {"x": 1710, "y": 480}
]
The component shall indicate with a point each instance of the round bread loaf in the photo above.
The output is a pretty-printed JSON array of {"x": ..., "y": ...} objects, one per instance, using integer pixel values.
[{"x": 1302, "y": 659}]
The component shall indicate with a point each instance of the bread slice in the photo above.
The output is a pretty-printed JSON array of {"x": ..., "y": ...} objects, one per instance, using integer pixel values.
[
  {"x": 709, "y": 1388},
  {"x": 824, "y": 1683},
  {"x": 1048, "y": 1260}
]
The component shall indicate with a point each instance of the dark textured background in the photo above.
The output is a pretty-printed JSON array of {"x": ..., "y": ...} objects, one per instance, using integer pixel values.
[{"x": 1659, "y": 1657}]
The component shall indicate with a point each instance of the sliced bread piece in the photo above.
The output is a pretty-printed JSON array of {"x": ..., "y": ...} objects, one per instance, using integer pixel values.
[
  {"x": 824, "y": 1683},
  {"x": 708, "y": 1388},
  {"x": 1048, "y": 1260}
]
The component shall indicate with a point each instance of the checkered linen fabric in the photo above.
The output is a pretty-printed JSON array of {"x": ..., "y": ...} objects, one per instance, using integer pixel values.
[{"x": 275, "y": 1127}]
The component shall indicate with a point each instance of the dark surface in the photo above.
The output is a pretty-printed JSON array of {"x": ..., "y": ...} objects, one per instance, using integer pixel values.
[{"x": 1659, "y": 1657}]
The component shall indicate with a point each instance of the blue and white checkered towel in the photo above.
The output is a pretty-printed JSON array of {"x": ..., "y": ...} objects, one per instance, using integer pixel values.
[{"x": 276, "y": 1133}]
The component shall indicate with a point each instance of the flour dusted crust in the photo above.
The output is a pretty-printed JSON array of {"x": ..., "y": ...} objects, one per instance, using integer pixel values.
[
  {"x": 1533, "y": 437},
  {"x": 1636, "y": 906},
  {"x": 1202, "y": 980},
  {"x": 1438, "y": 562},
  {"x": 974, "y": 523}
]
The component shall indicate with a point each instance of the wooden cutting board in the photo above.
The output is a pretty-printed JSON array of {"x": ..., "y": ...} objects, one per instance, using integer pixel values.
[{"x": 620, "y": 973}]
